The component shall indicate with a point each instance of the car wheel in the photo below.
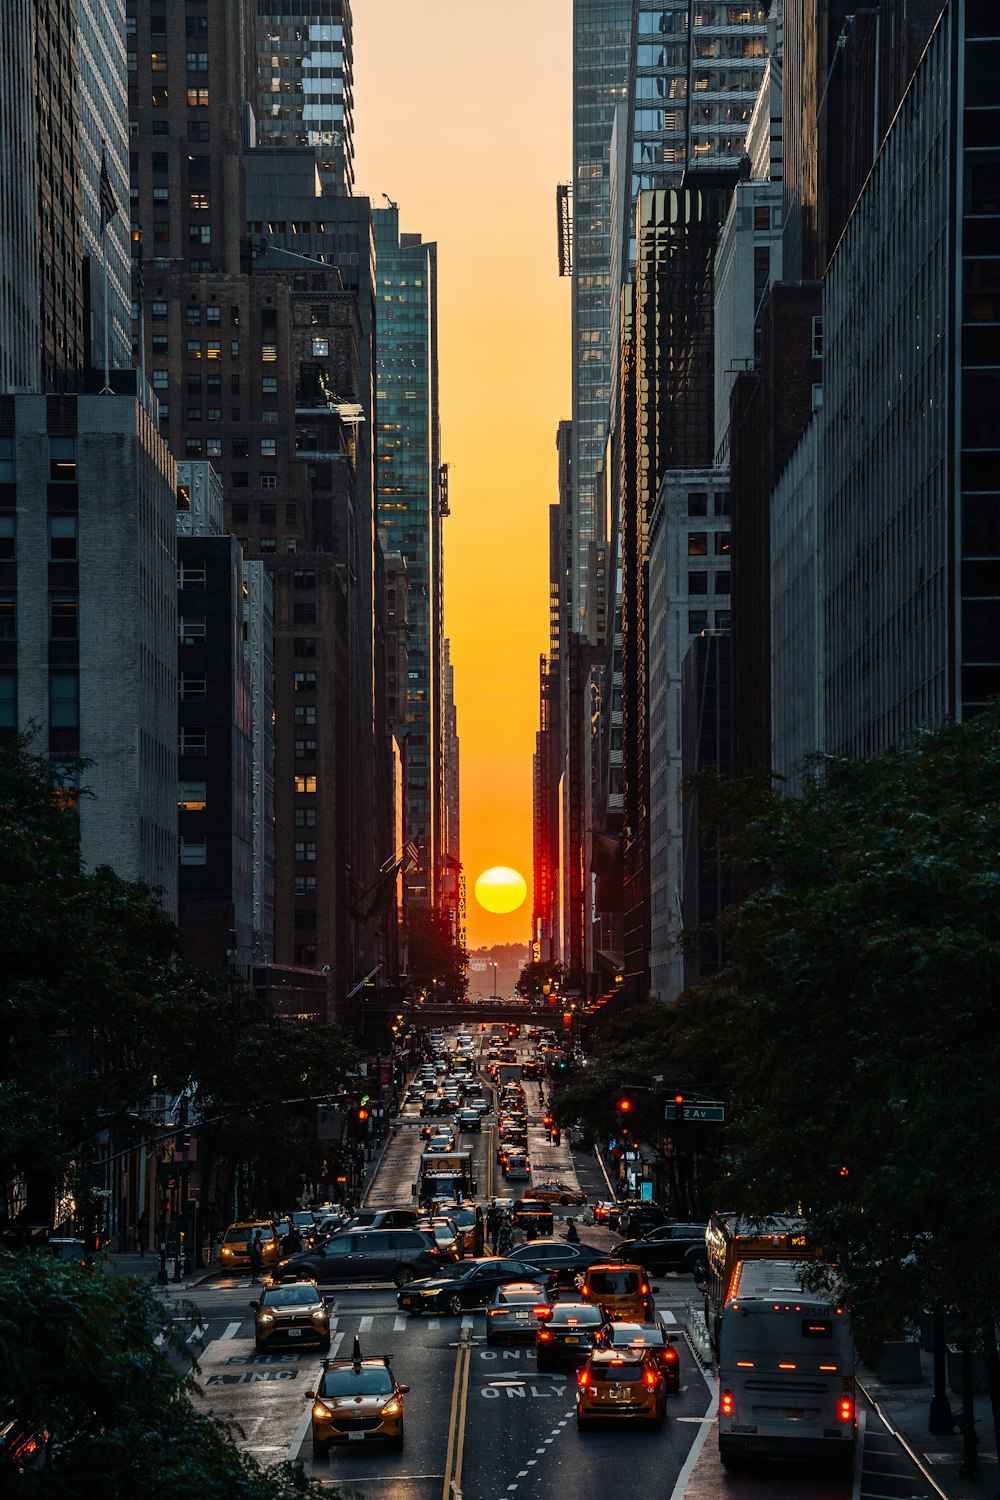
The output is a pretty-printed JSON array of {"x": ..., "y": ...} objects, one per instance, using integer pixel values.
[
  {"x": 397, "y": 1442},
  {"x": 321, "y": 1450},
  {"x": 403, "y": 1275},
  {"x": 324, "y": 1347},
  {"x": 258, "y": 1347},
  {"x": 415, "y": 1312},
  {"x": 564, "y": 1200}
]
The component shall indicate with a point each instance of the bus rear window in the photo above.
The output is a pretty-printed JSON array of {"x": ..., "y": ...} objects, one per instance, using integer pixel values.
[{"x": 817, "y": 1328}]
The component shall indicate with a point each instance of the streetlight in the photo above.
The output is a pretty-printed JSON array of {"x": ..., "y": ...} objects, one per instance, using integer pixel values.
[{"x": 494, "y": 967}]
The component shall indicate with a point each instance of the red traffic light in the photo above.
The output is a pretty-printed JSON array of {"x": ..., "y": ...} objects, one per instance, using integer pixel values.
[
  {"x": 624, "y": 1105},
  {"x": 362, "y": 1114},
  {"x": 547, "y": 1120}
]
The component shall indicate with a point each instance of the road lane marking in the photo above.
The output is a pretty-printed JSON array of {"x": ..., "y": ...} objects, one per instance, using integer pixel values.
[
  {"x": 433, "y": 1323},
  {"x": 667, "y": 1316},
  {"x": 335, "y": 1343},
  {"x": 300, "y": 1432},
  {"x": 457, "y": 1420},
  {"x": 232, "y": 1329},
  {"x": 365, "y": 1326},
  {"x": 467, "y": 1322},
  {"x": 399, "y": 1325},
  {"x": 195, "y": 1334}
]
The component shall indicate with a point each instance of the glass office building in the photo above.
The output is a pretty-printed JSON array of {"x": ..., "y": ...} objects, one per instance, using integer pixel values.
[{"x": 305, "y": 83}]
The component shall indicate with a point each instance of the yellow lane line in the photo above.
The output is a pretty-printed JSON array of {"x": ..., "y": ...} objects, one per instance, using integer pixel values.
[
  {"x": 463, "y": 1403},
  {"x": 456, "y": 1387}
]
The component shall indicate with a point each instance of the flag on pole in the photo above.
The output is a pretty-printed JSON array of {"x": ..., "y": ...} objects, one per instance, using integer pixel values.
[
  {"x": 109, "y": 204},
  {"x": 411, "y": 857}
]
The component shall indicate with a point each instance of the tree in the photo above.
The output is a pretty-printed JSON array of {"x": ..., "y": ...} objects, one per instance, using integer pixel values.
[
  {"x": 437, "y": 963},
  {"x": 79, "y": 1361},
  {"x": 854, "y": 1024},
  {"x": 538, "y": 973}
]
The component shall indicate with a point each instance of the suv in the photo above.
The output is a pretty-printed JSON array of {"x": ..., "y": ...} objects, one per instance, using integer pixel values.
[
  {"x": 237, "y": 1240},
  {"x": 398, "y": 1255},
  {"x": 640, "y": 1219},
  {"x": 622, "y": 1291},
  {"x": 671, "y": 1247}
]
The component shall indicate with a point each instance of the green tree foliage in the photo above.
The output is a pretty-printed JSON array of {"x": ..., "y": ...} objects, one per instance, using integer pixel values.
[
  {"x": 437, "y": 963},
  {"x": 79, "y": 1361},
  {"x": 855, "y": 1024},
  {"x": 536, "y": 974}
]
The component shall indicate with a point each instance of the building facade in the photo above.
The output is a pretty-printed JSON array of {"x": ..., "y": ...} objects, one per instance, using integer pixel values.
[{"x": 305, "y": 83}]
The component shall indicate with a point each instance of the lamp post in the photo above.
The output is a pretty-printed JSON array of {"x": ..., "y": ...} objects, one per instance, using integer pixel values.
[{"x": 494, "y": 967}]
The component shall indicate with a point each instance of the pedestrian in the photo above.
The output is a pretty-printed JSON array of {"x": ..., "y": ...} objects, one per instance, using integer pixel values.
[
  {"x": 571, "y": 1233},
  {"x": 505, "y": 1236},
  {"x": 256, "y": 1253},
  {"x": 291, "y": 1243},
  {"x": 479, "y": 1234},
  {"x": 140, "y": 1235},
  {"x": 492, "y": 1220}
]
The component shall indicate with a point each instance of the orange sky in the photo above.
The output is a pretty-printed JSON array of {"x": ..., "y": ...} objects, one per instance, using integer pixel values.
[{"x": 463, "y": 116}]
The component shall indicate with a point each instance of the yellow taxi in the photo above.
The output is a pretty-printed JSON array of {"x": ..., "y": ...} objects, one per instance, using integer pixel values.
[
  {"x": 625, "y": 1385},
  {"x": 291, "y": 1313},
  {"x": 357, "y": 1401},
  {"x": 623, "y": 1292},
  {"x": 554, "y": 1191},
  {"x": 236, "y": 1242}
]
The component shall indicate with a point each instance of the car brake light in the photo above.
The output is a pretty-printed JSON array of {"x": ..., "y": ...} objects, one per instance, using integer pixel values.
[
  {"x": 644, "y": 1289},
  {"x": 584, "y": 1375},
  {"x": 544, "y": 1335},
  {"x": 845, "y": 1410},
  {"x": 584, "y": 1292},
  {"x": 542, "y": 1312},
  {"x": 726, "y": 1404},
  {"x": 651, "y": 1377}
]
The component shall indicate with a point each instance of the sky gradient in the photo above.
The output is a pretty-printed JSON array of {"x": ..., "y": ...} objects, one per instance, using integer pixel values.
[{"x": 463, "y": 117}]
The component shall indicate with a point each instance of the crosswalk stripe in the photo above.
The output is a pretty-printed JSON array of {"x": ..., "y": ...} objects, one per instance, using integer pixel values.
[
  {"x": 335, "y": 1343},
  {"x": 334, "y": 1324},
  {"x": 467, "y": 1322},
  {"x": 400, "y": 1323},
  {"x": 666, "y": 1315},
  {"x": 195, "y": 1334},
  {"x": 365, "y": 1326},
  {"x": 433, "y": 1323},
  {"x": 232, "y": 1329}
]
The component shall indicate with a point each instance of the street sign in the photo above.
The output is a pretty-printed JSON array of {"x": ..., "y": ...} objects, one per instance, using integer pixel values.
[{"x": 701, "y": 1112}]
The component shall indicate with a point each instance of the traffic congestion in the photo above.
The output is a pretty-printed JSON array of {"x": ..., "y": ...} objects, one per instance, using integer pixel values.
[{"x": 463, "y": 1332}]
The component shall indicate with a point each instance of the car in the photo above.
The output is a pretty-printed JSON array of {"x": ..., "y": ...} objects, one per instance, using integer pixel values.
[
  {"x": 480, "y": 1105},
  {"x": 554, "y": 1191},
  {"x": 469, "y": 1119},
  {"x": 568, "y": 1335},
  {"x": 468, "y": 1284},
  {"x": 516, "y": 1310},
  {"x": 441, "y": 1140},
  {"x": 564, "y": 1264},
  {"x": 383, "y": 1218},
  {"x": 291, "y": 1313},
  {"x": 671, "y": 1247},
  {"x": 623, "y": 1291},
  {"x": 641, "y": 1218},
  {"x": 416, "y": 1091},
  {"x": 446, "y": 1235},
  {"x": 357, "y": 1401},
  {"x": 398, "y": 1255},
  {"x": 236, "y": 1242},
  {"x": 653, "y": 1336},
  {"x": 463, "y": 1216},
  {"x": 73, "y": 1251},
  {"x": 517, "y": 1167},
  {"x": 626, "y": 1385},
  {"x": 534, "y": 1220}
]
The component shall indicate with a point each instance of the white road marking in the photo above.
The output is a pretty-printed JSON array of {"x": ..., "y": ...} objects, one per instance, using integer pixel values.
[
  {"x": 300, "y": 1431},
  {"x": 159, "y": 1340},
  {"x": 522, "y": 1473},
  {"x": 365, "y": 1326},
  {"x": 532, "y": 1462},
  {"x": 667, "y": 1316},
  {"x": 195, "y": 1334},
  {"x": 231, "y": 1331},
  {"x": 433, "y": 1323},
  {"x": 335, "y": 1343},
  {"x": 400, "y": 1324},
  {"x": 467, "y": 1322}
]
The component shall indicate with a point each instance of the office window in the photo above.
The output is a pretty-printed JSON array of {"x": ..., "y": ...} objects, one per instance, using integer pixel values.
[
  {"x": 191, "y": 629},
  {"x": 213, "y": 447},
  {"x": 304, "y": 645},
  {"x": 305, "y": 852},
  {"x": 8, "y": 700},
  {"x": 191, "y": 575},
  {"x": 268, "y": 353},
  {"x": 697, "y": 583},
  {"x": 698, "y": 504},
  {"x": 213, "y": 349},
  {"x": 214, "y": 414},
  {"x": 197, "y": 131},
  {"x": 269, "y": 385},
  {"x": 305, "y": 749},
  {"x": 64, "y": 613},
  {"x": 305, "y": 785},
  {"x": 192, "y": 385},
  {"x": 304, "y": 682},
  {"x": 192, "y": 687},
  {"x": 722, "y": 543},
  {"x": 305, "y": 885},
  {"x": 193, "y": 852},
  {"x": 305, "y": 713},
  {"x": 304, "y": 614},
  {"x": 6, "y": 460},
  {"x": 62, "y": 538},
  {"x": 762, "y": 218},
  {"x": 191, "y": 796},
  {"x": 305, "y": 954},
  {"x": 241, "y": 514},
  {"x": 305, "y": 817},
  {"x": 722, "y": 502},
  {"x": 723, "y": 619},
  {"x": 320, "y": 348},
  {"x": 192, "y": 316},
  {"x": 239, "y": 479},
  {"x": 269, "y": 447},
  {"x": 697, "y": 620},
  {"x": 197, "y": 62},
  {"x": 64, "y": 700},
  {"x": 192, "y": 739},
  {"x": 7, "y": 539},
  {"x": 304, "y": 578},
  {"x": 269, "y": 481},
  {"x": 697, "y": 544},
  {"x": 160, "y": 380},
  {"x": 723, "y": 583},
  {"x": 159, "y": 310},
  {"x": 268, "y": 544},
  {"x": 8, "y": 618},
  {"x": 197, "y": 98},
  {"x": 200, "y": 234},
  {"x": 194, "y": 413},
  {"x": 62, "y": 460}
]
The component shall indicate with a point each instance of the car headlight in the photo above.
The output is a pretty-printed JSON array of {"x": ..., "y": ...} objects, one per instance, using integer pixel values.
[
  {"x": 321, "y": 1410},
  {"x": 392, "y": 1408},
  {"x": 320, "y": 1316},
  {"x": 226, "y": 1254},
  {"x": 266, "y": 1317}
]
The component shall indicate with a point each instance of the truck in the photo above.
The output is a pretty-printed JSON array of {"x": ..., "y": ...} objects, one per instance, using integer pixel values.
[
  {"x": 445, "y": 1175},
  {"x": 786, "y": 1368},
  {"x": 508, "y": 1073},
  {"x": 731, "y": 1238}
]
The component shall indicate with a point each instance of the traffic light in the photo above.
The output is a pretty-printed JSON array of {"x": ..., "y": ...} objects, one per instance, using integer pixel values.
[
  {"x": 182, "y": 1142},
  {"x": 362, "y": 1114},
  {"x": 624, "y": 1114}
]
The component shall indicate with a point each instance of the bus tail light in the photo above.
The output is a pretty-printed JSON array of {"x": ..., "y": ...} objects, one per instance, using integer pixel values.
[
  {"x": 845, "y": 1409},
  {"x": 726, "y": 1404}
]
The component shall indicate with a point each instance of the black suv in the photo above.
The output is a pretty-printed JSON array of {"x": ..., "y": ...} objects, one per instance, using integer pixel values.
[
  {"x": 398, "y": 1255},
  {"x": 635, "y": 1222},
  {"x": 672, "y": 1247},
  {"x": 559, "y": 1263}
]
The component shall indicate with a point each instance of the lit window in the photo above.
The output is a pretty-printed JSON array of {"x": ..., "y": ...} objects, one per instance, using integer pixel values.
[
  {"x": 197, "y": 98},
  {"x": 268, "y": 353},
  {"x": 191, "y": 796},
  {"x": 305, "y": 785}
]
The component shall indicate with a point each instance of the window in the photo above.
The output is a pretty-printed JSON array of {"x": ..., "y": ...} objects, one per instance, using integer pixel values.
[
  {"x": 197, "y": 98},
  {"x": 213, "y": 349},
  {"x": 269, "y": 544},
  {"x": 304, "y": 614},
  {"x": 320, "y": 348},
  {"x": 305, "y": 682},
  {"x": 194, "y": 413},
  {"x": 7, "y": 540},
  {"x": 197, "y": 62},
  {"x": 304, "y": 578},
  {"x": 722, "y": 543},
  {"x": 191, "y": 796},
  {"x": 8, "y": 618},
  {"x": 191, "y": 629},
  {"x": 197, "y": 131},
  {"x": 192, "y": 740},
  {"x": 191, "y": 576},
  {"x": 305, "y": 885},
  {"x": 305, "y": 817},
  {"x": 697, "y": 544},
  {"x": 193, "y": 852},
  {"x": 723, "y": 583},
  {"x": 213, "y": 314},
  {"x": 305, "y": 749},
  {"x": 722, "y": 502},
  {"x": 762, "y": 217},
  {"x": 268, "y": 353},
  {"x": 8, "y": 700},
  {"x": 305, "y": 852},
  {"x": 64, "y": 700},
  {"x": 200, "y": 234},
  {"x": 697, "y": 620},
  {"x": 289, "y": 515},
  {"x": 159, "y": 310},
  {"x": 697, "y": 583},
  {"x": 160, "y": 98},
  {"x": 192, "y": 687},
  {"x": 193, "y": 347},
  {"x": 6, "y": 460},
  {"x": 269, "y": 482},
  {"x": 269, "y": 385},
  {"x": 239, "y": 479},
  {"x": 62, "y": 538},
  {"x": 723, "y": 619},
  {"x": 160, "y": 380},
  {"x": 241, "y": 514},
  {"x": 269, "y": 447},
  {"x": 817, "y": 338},
  {"x": 305, "y": 713},
  {"x": 305, "y": 785},
  {"x": 305, "y": 954},
  {"x": 213, "y": 447},
  {"x": 62, "y": 460},
  {"x": 304, "y": 645},
  {"x": 64, "y": 610},
  {"x": 214, "y": 414},
  {"x": 698, "y": 504}
]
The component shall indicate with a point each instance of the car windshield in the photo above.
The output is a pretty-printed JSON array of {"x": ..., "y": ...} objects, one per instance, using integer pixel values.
[
  {"x": 572, "y": 1314},
  {"x": 238, "y": 1234},
  {"x": 616, "y": 1371},
  {"x": 300, "y": 1294},
  {"x": 628, "y": 1333},
  {"x": 520, "y": 1299},
  {"x": 614, "y": 1283},
  {"x": 351, "y": 1382}
]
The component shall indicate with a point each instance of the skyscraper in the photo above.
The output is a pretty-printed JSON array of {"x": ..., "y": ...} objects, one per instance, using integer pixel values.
[
  {"x": 409, "y": 515},
  {"x": 305, "y": 83}
]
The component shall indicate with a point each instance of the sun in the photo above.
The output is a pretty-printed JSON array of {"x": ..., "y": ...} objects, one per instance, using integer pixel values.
[{"x": 501, "y": 890}]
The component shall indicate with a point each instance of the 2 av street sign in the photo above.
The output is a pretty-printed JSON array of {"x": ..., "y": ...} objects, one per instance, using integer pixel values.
[{"x": 703, "y": 1112}]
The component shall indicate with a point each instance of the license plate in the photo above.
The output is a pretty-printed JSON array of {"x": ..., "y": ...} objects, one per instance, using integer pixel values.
[
  {"x": 294, "y": 1333},
  {"x": 520, "y": 1317},
  {"x": 573, "y": 1338},
  {"x": 355, "y": 1437}
]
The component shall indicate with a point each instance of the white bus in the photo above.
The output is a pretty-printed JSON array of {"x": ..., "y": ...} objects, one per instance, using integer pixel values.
[{"x": 786, "y": 1369}]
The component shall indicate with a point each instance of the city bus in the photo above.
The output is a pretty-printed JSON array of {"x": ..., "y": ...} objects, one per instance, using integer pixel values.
[
  {"x": 731, "y": 1238},
  {"x": 786, "y": 1369}
]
